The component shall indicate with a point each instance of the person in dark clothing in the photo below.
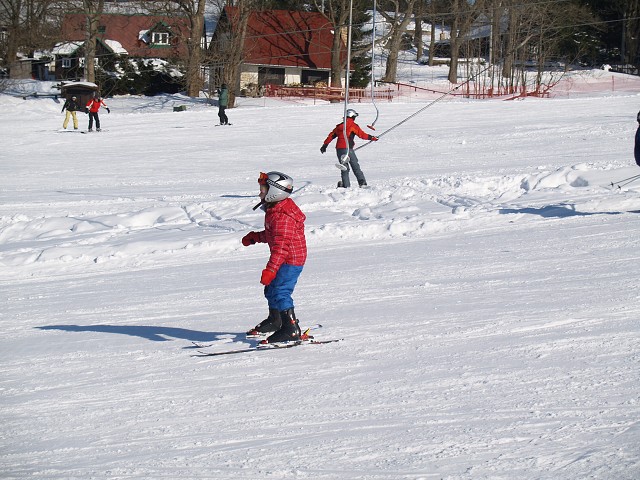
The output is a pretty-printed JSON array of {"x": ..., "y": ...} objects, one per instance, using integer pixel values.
[
  {"x": 71, "y": 106},
  {"x": 636, "y": 149},
  {"x": 223, "y": 102}
]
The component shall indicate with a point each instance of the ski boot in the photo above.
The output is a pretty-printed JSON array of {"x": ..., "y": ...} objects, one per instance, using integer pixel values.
[
  {"x": 290, "y": 330},
  {"x": 270, "y": 324}
]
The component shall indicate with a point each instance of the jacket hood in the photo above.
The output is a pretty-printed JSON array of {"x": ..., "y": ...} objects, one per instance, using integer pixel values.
[{"x": 288, "y": 207}]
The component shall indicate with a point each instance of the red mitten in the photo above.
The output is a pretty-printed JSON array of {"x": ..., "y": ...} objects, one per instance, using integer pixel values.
[
  {"x": 267, "y": 277},
  {"x": 250, "y": 238}
]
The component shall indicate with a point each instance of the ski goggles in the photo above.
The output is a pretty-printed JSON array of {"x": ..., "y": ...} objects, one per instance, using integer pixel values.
[{"x": 262, "y": 179}]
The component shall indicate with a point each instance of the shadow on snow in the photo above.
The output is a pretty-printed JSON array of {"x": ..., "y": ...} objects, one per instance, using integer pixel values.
[
  {"x": 153, "y": 333},
  {"x": 556, "y": 211}
]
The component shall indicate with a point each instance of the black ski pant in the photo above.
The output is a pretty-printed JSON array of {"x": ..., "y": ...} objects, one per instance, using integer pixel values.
[
  {"x": 92, "y": 116},
  {"x": 223, "y": 116}
]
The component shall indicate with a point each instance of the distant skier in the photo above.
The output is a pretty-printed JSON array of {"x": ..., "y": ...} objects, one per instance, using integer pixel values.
[
  {"x": 636, "y": 149},
  {"x": 284, "y": 232},
  {"x": 92, "y": 108},
  {"x": 342, "y": 150},
  {"x": 223, "y": 102},
  {"x": 71, "y": 106}
]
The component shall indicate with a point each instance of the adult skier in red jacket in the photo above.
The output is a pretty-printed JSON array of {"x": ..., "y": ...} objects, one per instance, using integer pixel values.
[
  {"x": 92, "y": 108},
  {"x": 346, "y": 154},
  {"x": 284, "y": 233}
]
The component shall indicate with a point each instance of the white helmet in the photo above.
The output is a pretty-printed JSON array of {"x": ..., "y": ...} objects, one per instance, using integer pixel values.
[
  {"x": 351, "y": 113},
  {"x": 280, "y": 186}
]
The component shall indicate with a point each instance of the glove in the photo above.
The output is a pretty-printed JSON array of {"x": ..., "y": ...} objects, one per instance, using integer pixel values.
[
  {"x": 323, "y": 148},
  {"x": 109, "y": 111},
  {"x": 86, "y": 110},
  {"x": 374, "y": 139},
  {"x": 250, "y": 238},
  {"x": 267, "y": 277}
]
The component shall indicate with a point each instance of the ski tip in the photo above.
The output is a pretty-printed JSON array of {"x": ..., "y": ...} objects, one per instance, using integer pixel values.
[{"x": 371, "y": 127}]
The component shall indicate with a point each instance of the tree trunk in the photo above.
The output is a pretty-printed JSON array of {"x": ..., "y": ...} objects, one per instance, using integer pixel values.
[
  {"x": 194, "y": 49},
  {"x": 336, "y": 58},
  {"x": 93, "y": 9},
  {"x": 398, "y": 22},
  {"x": 417, "y": 34}
]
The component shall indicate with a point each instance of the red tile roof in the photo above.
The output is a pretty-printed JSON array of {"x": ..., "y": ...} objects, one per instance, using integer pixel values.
[
  {"x": 287, "y": 38},
  {"x": 129, "y": 30}
]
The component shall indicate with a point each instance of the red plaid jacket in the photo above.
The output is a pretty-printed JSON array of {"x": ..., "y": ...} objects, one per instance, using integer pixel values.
[{"x": 284, "y": 232}]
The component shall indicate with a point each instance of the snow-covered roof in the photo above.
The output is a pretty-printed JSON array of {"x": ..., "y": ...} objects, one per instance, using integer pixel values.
[
  {"x": 66, "y": 48},
  {"x": 116, "y": 47},
  {"x": 79, "y": 84}
]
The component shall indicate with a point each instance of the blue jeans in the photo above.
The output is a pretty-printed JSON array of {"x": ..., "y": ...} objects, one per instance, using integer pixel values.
[{"x": 278, "y": 292}]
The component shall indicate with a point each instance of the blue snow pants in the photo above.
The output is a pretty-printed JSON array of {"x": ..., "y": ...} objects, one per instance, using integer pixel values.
[{"x": 278, "y": 292}]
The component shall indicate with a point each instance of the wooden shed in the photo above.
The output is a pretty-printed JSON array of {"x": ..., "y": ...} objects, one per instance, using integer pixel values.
[{"x": 83, "y": 91}]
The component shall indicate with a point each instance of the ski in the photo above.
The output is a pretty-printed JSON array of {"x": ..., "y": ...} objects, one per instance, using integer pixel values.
[
  {"x": 265, "y": 348},
  {"x": 266, "y": 334},
  {"x": 208, "y": 345},
  {"x": 222, "y": 124}
]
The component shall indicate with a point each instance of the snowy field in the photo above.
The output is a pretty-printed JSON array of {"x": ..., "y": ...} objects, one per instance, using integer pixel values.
[{"x": 486, "y": 288}]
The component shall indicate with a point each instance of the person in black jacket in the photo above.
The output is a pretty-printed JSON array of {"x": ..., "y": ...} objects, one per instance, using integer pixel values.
[
  {"x": 636, "y": 149},
  {"x": 71, "y": 106}
]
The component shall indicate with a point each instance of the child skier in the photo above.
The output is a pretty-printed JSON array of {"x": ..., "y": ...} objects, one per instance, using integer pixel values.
[
  {"x": 284, "y": 232},
  {"x": 342, "y": 150}
]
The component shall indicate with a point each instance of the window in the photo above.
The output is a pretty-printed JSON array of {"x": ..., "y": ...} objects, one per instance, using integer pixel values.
[
  {"x": 102, "y": 29},
  {"x": 66, "y": 63},
  {"x": 160, "y": 38},
  {"x": 311, "y": 77},
  {"x": 81, "y": 61},
  {"x": 268, "y": 75}
]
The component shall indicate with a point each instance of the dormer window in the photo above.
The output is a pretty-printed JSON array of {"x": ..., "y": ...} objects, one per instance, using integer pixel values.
[{"x": 160, "y": 38}]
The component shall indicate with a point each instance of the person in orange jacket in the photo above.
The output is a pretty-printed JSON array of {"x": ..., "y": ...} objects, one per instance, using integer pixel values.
[
  {"x": 346, "y": 154},
  {"x": 92, "y": 108}
]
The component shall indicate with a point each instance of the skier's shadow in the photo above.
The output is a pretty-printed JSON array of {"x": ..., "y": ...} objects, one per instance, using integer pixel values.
[{"x": 152, "y": 333}]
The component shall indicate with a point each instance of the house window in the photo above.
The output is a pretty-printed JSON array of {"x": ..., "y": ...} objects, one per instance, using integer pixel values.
[
  {"x": 311, "y": 77},
  {"x": 102, "y": 29},
  {"x": 159, "y": 38},
  {"x": 81, "y": 61},
  {"x": 66, "y": 63},
  {"x": 268, "y": 75}
]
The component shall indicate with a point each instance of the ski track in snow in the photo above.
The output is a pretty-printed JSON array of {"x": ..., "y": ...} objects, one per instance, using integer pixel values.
[{"x": 485, "y": 286}]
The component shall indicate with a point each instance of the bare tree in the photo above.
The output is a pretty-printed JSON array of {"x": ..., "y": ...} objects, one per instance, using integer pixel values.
[
  {"x": 30, "y": 25},
  {"x": 463, "y": 15},
  {"x": 194, "y": 11},
  {"x": 225, "y": 54},
  {"x": 337, "y": 13},
  {"x": 93, "y": 9},
  {"x": 398, "y": 20}
]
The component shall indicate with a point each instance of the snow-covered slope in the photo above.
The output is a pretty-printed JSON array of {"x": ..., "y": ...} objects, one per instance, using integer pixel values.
[{"x": 485, "y": 287}]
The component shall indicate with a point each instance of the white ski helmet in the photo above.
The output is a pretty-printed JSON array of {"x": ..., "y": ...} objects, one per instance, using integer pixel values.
[
  {"x": 351, "y": 113},
  {"x": 280, "y": 186}
]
